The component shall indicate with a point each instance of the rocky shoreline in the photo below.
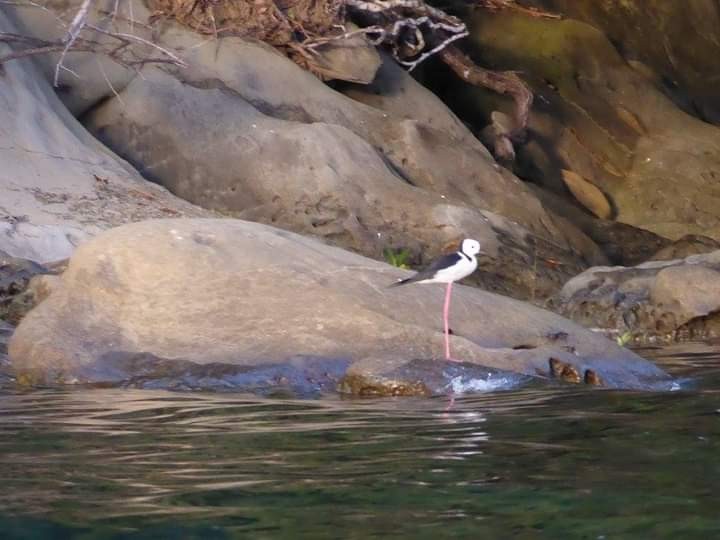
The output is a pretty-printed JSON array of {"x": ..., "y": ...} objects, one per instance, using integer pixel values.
[{"x": 167, "y": 187}]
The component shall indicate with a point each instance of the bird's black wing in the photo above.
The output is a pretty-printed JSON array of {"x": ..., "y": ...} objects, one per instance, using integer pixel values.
[{"x": 437, "y": 265}]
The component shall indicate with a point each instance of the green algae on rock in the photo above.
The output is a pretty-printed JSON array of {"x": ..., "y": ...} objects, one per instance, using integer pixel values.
[{"x": 600, "y": 118}]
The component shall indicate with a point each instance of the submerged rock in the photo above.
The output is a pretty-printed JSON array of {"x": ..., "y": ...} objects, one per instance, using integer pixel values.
[
  {"x": 658, "y": 300},
  {"x": 234, "y": 293}
]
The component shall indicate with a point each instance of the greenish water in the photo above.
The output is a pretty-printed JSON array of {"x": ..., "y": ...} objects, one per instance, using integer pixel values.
[{"x": 560, "y": 462}]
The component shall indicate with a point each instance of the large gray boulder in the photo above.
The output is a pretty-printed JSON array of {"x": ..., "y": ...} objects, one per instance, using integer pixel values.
[
  {"x": 654, "y": 301},
  {"x": 245, "y": 131},
  {"x": 58, "y": 184},
  {"x": 168, "y": 298}
]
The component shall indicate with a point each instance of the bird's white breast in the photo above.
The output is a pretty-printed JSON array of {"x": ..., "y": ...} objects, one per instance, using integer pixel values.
[{"x": 463, "y": 268}]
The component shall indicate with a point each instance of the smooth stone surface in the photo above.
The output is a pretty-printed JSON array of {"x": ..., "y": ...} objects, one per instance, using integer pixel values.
[
  {"x": 587, "y": 194},
  {"x": 236, "y": 293},
  {"x": 353, "y": 59},
  {"x": 58, "y": 184},
  {"x": 245, "y": 131},
  {"x": 90, "y": 77},
  {"x": 662, "y": 300},
  {"x": 396, "y": 92}
]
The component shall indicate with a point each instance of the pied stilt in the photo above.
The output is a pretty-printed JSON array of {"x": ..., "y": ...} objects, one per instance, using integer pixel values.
[{"x": 448, "y": 269}]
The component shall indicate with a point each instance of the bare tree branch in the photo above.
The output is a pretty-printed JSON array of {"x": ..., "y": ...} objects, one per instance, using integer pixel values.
[
  {"x": 506, "y": 82},
  {"x": 412, "y": 30},
  {"x": 76, "y": 40},
  {"x": 73, "y": 32}
]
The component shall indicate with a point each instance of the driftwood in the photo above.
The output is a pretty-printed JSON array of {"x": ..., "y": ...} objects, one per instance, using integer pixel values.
[{"x": 411, "y": 29}]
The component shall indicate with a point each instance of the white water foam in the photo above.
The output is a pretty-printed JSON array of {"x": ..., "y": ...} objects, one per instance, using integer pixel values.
[{"x": 461, "y": 385}]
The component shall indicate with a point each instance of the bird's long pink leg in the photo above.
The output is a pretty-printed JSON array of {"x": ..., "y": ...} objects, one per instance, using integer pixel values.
[{"x": 446, "y": 309}]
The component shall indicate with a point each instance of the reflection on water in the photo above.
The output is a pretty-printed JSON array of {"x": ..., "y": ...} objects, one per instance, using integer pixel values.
[{"x": 561, "y": 462}]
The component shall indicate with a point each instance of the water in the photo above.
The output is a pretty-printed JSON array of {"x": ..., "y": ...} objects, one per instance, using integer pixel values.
[{"x": 562, "y": 462}]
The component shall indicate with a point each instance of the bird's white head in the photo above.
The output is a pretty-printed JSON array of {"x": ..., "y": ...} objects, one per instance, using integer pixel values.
[{"x": 470, "y": 247}]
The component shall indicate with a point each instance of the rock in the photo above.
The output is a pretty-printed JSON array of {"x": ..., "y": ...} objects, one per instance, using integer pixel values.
[
  {"x": 691, "y": 244},
  {"x": 676, "y": 41},
  {"x": 353, "y": 59},
  {"x": 596, "y": 116},
  {"x": 38, "y": 289},
  {"x": 207, "y": 295},
  {"x": 6, "y": 331},
  {"x": 58, "y": 185},
  {"x": 247, "y": 132},
  {"x": 15, "y": 274},
  {"x": 622, "y": 244},
  {"x": 587, "y": 194},
  {"x": 654, "y": 301},
  {"x": 245, "y": 97},
  {"x": 396, "y": 92},
  {"x": 23, "y": 285},
  {"x": 497, "y": 136},
  {"x": 692, "y": 291},
  {"x": 90, "y": 77}
]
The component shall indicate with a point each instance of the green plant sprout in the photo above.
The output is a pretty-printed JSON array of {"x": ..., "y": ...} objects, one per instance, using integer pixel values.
[
  {"x": 398, "y": 258},
  {"x": 623, "y": 339}
]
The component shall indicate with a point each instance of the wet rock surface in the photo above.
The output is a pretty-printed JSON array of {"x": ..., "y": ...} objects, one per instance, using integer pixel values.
[
  {"x": 228, "y": 292},
  {"x": 298, "y": 376},
  {"x": 654, "y": 301}
]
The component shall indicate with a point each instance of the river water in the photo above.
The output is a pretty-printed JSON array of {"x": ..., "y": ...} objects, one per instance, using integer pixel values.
[{"x": 536, "y": 462}]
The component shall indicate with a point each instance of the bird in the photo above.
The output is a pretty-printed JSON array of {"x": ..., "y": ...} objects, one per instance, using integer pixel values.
[{"x": 448, "y": 269}]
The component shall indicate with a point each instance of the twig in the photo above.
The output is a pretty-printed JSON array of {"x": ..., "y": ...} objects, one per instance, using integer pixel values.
[
  {"x": 318, "y": 42},
  {"x": 73, "y": 32},
  {"x": 424, "y": 56},
  {"x": 107, "y": 81},
  {"x": 31, "y": 52},
  {"x": 501, "y": 82},
  {"x": 132, "y": 37},
  {"x": 497, "y": 5}
]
